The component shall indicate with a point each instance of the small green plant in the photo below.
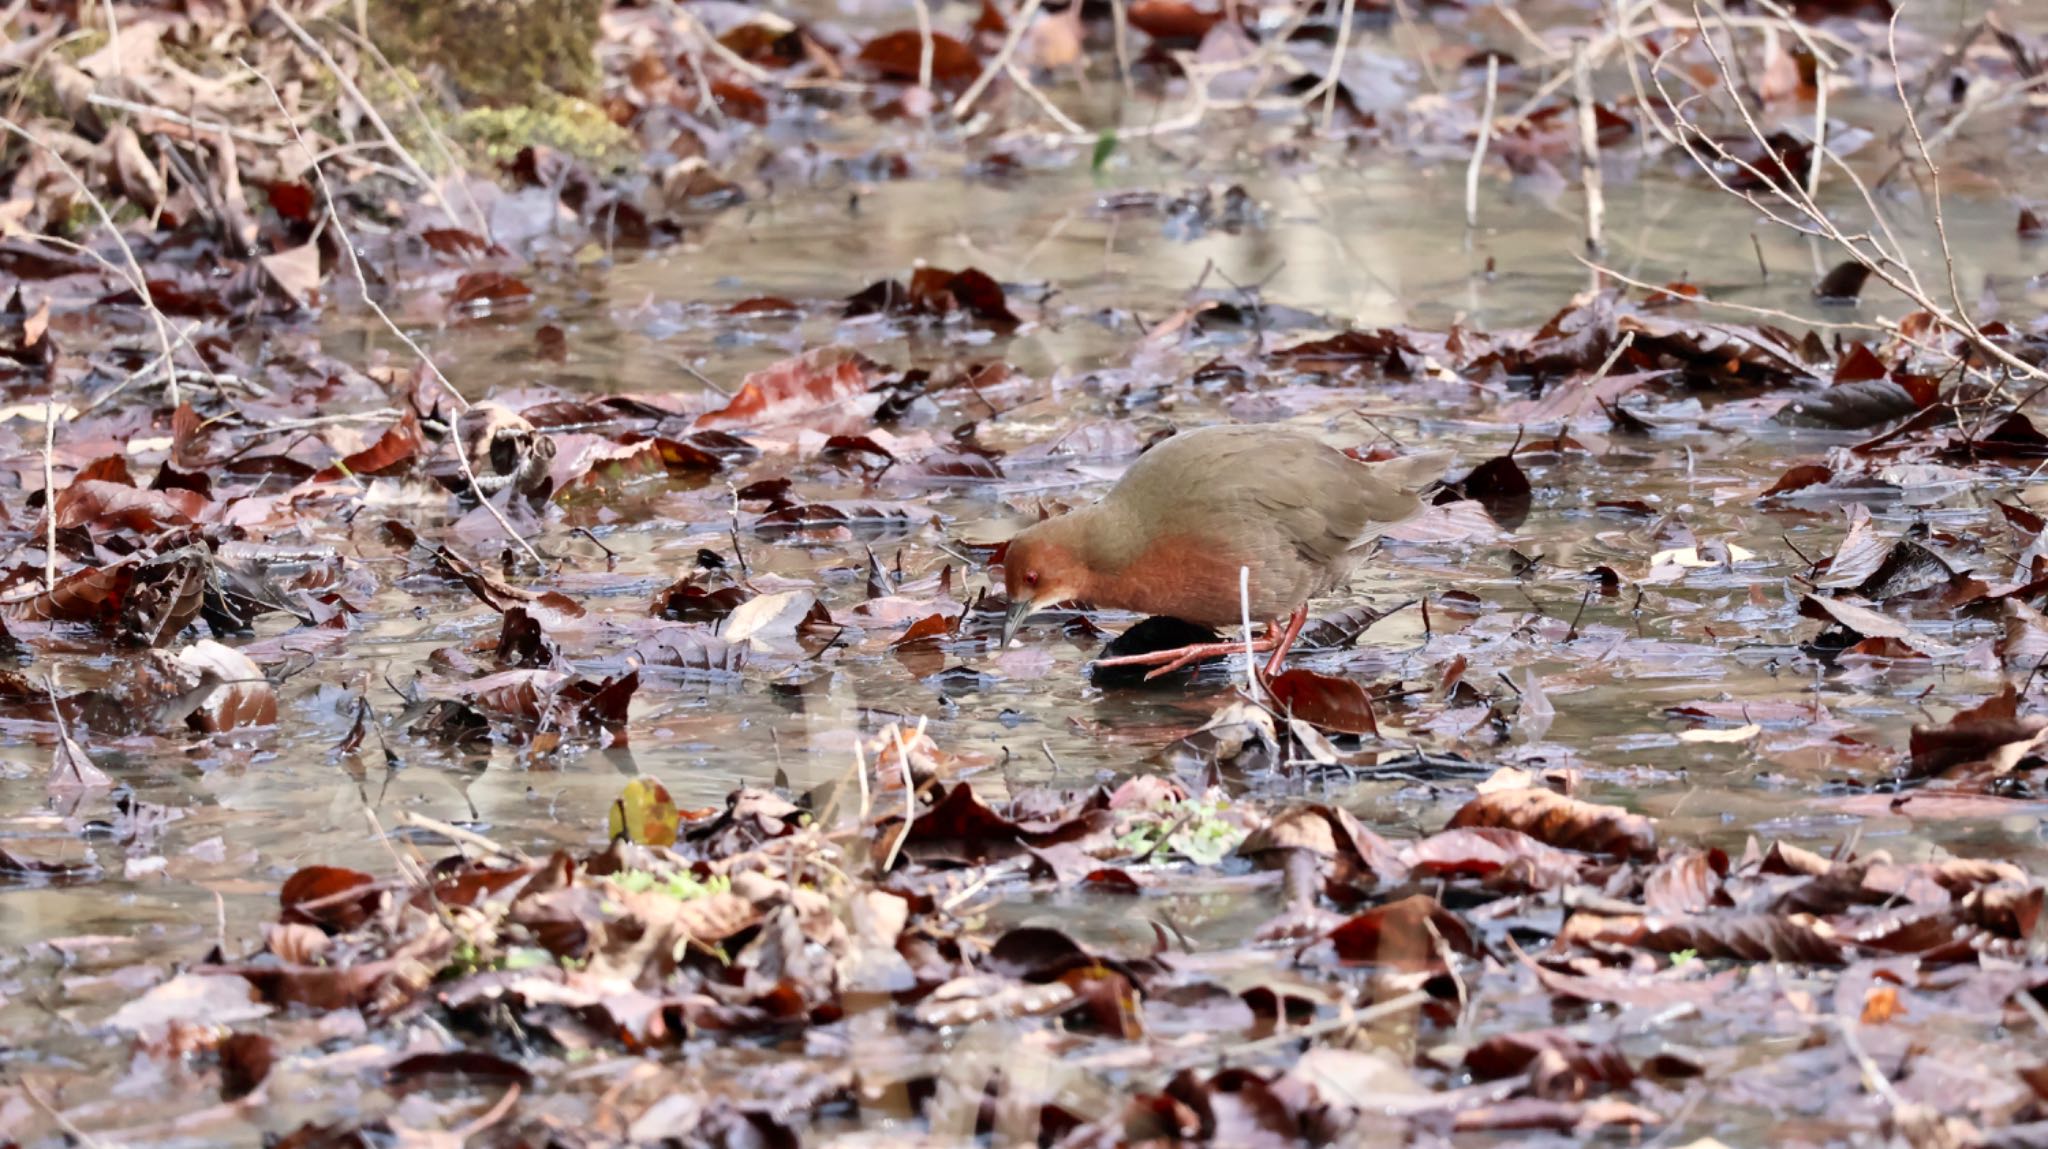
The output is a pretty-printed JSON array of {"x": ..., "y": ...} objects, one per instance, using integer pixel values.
[
  {"x": 1680, "y": 957},
  {"x": 1200, "y": 830},
  {"x": 681, "y": 886}
]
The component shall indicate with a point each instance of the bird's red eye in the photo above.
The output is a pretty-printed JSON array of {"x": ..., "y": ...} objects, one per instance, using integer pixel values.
[{"x": 1030, "y": 578}]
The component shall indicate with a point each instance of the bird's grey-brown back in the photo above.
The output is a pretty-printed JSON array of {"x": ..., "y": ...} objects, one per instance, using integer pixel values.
[{"x": 1278, "y": 485}]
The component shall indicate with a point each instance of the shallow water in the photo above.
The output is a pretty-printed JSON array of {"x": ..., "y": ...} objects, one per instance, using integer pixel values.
[{"x": 1371, "y": 239}]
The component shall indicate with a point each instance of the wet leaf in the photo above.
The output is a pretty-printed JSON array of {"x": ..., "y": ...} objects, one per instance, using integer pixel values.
[
  {"x": 1177, "y": 21},
  {"x": 644, "y": 814},
  {"x": 1568, "y": 823},
  {"x": 1411, "y": 934},
  {"x": 395, "y": 450},
  {"x": 331, "y": 897},
  {"x": 1504, "y": 858},
  {"x": 1749, "y": 937},
  {"x": 1334, "y": 705},
  {"x": 794, "y": 387},
  {"x": 245, "y": 1061},
  {"x": 236, "y": 694},
  {"x": 899, "y": 56}
]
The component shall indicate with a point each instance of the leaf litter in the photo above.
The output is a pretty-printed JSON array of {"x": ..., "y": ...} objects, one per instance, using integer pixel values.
[{"x": 561, "y": 750}]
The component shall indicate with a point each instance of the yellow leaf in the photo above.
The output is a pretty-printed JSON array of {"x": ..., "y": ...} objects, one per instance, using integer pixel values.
[{"x": 645, "y": 814}]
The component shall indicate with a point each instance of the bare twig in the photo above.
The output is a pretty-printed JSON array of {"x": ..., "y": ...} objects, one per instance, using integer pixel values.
[
  {"x": 924, "y": 44},
  {"x": 1330, "y": 82},
  {"x": 1120, "y": 22},
  {"x": 1623, "y": 15},
  {"x": 1045, "y": 105},
  {"x": 1589, "y": 147},
  {"x": 1479, "y": 144},
  {"x": 1740, "y": 308},
  {"x": 136, "y": 279},
  {"x": 458, "y": 834},
  {"x": 731, "y": 59},
  {"x": 909, "y": 798},
  {"x": 1820, "y": 129},
  {"x": 64, "y": 1123},
  {"x": 363, "y": 43},
  {"x": 1019, "y": 24},
  {"x": 1244, "y": 605},
  {"x": 1796, "y": 211},
  {"x": 363, "y": 284},
  {"x": 208, "y": 127},
  {"x": 369, "y": 110},
  {"x": 1948, "y": 257},
  {"x": 50, "y": 488},
  {"x": 114, "y": 38}
]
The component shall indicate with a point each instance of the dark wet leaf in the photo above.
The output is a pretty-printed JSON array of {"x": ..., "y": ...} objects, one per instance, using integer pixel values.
[
  {"x": 1556, "y": 820},
  {"x": 1595, "y": 1067},
  {"x": 114, "y": 506},
  {"x": 1503, "y": 858},
  {"x": 1843, "y": 283},
  {"x": 395, "y": 450},
  {"x": 1333, "y": 705},
  {"x": 1991, "y": 737},
  {"x": 1178, "y": 22},
  {"x": 1411, "y": 934},
  {"x": 1353, "y": 854},
  {"x": 959, "y": 828},
  {"x": 469, "y": 1064},
  {"x": 1501, "y": 486},
  {"x": 245, "y": 1061},
  {"x": 335, "y": 899},
  {"x": 899, "y": 56},
  {"x": 1749, "y": 937},
  {"x": 1867, "y": 403},
  {"x": 482, "y": 292},
  {"x": 1686, "y": 883},
  {"x": 1798, "y": 478}
]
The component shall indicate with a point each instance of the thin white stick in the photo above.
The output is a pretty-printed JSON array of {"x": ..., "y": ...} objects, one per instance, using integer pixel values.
[
  {"x": 114, "y": 38},
  {"x": 689, "y": 23},
  {"x": 136, "y": 279},
  {"x": 1623, "y": 16},
  {"x": 1018, "y": 25},
  {"x": 1589, "y": 147},
  {"x": 860, "y": 767},
  {"x": 1334, "y": 79},
  {"x": 370, "y": 112},
  {"x": 184, "y": 339},
  {"x": 925, "y": 45},
  {"x": 1045, "y": 104},
  {"x": 363, "y": 284},
  {"x": 184, "y": 121},
  {"x": 1244, "y": 603},
  {"x": 1820, "y": 128},
  {"x": 1955, "y": 289},
  {"x": 909, "y": 798},
  {"x": 426, "y": 124},
  {"x": 1479, "y": 145},
  {"x": 1120, "y": 23},
  {"x": 50, "y": 487}
]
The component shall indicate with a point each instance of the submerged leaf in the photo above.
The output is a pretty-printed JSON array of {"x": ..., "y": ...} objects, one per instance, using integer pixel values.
[{"x": 644, "y": 814}]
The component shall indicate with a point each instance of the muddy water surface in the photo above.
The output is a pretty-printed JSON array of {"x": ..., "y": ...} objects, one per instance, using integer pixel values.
[{"x": 1095, "y": 261}]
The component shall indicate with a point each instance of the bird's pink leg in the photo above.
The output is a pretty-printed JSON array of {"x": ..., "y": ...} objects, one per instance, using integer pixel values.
[{"x": 1286, "y": 643}]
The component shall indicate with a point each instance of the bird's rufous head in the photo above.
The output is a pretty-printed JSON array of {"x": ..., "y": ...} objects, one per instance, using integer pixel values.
[{"x": 1042, "y": 566}]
